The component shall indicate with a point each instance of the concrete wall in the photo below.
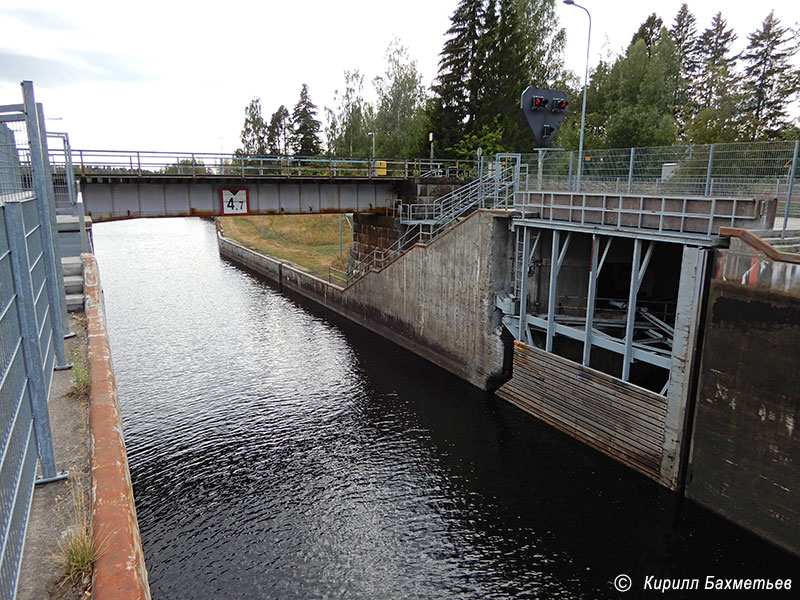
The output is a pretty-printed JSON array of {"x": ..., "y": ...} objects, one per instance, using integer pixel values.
[
  {"x": 745, "y": 455},
  {"x": 437, "y": 300}
]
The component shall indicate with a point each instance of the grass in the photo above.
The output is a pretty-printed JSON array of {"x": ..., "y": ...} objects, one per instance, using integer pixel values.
[
  {"x": 80, "y": 373},
  {"x": 77, "y": 551},
  {"x": 310, "y": 241}
]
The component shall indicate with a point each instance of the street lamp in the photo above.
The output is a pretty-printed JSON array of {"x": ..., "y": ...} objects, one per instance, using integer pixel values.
[
  {"x": 585, "y": 86},
  {"x": 372, "y": 135}
]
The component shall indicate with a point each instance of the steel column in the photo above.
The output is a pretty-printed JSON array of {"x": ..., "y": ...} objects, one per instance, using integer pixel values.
[
  {"x": 638, "y": 269},
  {"x": 556, "y": 258},
  {"x": 590, "y": 300},
  {"x": 709, "y": 169},
  {"x": 523, "y": 283},
  {"x": 630, "y": 170},
  {"x": 32, "y": 351},
  {"x": 41, "y": 183}
]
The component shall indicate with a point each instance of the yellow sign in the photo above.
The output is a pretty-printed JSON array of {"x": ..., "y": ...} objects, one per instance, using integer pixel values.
[{"x": 380, "y": 167}]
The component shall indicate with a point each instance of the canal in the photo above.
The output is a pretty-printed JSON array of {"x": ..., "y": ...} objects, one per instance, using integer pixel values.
[{"x": 277, "y": 451}]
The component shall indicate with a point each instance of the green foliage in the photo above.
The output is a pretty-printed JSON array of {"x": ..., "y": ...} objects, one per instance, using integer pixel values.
[
  {"x": 278, "y": 131},
  {"x": 304, "y": 138},
  {"x": 489, "y": 140},
  {"x": 770, "y": 80},
  {"x": 399, "y": 123},
  {"x": 348, "y": 127},
  {"x": 186, "y": 166},
  {"x": 254, "y": 131}
]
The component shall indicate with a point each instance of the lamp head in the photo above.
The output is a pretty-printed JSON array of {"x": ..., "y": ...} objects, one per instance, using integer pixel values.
[{"x": 569, "y": 2}]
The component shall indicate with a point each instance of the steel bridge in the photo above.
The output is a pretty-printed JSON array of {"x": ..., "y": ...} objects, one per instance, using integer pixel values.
[{"x": 130, "y": 184}]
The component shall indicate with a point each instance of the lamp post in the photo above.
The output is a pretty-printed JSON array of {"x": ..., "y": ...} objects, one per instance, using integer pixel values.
[
  {"x": 372, "y": 135},
  {"x": 585, "y": 86}
]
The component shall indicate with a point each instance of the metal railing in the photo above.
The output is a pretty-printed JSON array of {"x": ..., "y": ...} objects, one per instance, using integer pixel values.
[
  {"x": 698, "y": 216},
  {"x": 210, "y": 164},
  {"x": 757, "y": 169},
  {"x": 493, "y": 189},
  {"x": 31, "y": 327}
]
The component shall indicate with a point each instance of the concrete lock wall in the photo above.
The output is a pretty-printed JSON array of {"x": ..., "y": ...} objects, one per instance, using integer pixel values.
[
  {"x": 436, "y": 300},
  {"x": 745, "y": 455}
]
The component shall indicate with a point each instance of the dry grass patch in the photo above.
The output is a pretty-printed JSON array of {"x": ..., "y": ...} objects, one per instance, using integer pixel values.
[
  {"x": 311, "y": 241},
  {"x": 76, "y": 548}
]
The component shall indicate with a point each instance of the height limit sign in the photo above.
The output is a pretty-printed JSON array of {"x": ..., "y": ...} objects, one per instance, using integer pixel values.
[{"x": 235, "y": 201}]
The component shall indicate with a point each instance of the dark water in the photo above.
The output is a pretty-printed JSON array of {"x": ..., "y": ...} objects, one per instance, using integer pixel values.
[{"x": 278, "y": 452}]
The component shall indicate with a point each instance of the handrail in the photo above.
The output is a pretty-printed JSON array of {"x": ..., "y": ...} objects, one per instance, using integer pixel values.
[{"x": 755, "y": 242}]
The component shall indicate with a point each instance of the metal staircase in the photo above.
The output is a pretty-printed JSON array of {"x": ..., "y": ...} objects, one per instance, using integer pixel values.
[{"x": 494, "y": 188}]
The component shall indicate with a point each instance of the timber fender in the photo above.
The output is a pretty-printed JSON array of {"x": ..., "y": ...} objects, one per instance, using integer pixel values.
[{"x": 119, "y": 572}]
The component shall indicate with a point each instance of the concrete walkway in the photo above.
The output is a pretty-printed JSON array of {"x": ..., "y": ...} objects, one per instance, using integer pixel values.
[{"x": 40, "y": 576}]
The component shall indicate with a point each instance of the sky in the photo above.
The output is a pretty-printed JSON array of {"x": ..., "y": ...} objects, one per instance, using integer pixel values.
[{"x": 171, "y": 75}]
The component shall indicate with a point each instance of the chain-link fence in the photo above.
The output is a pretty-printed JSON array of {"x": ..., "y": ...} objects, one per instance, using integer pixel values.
[
  {"x": 758, "y": 169},
  {"x": 31, "y": 325}
]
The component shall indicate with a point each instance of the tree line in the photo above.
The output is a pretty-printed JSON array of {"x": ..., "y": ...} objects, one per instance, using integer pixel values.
[{"x": 673, "y": 84}]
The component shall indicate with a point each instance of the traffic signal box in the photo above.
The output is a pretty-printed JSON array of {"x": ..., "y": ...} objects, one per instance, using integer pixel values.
[{"x": 544, "y": 110}]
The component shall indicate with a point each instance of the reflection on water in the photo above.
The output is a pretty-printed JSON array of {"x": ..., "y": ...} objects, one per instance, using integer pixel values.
[{"x": 279, "y": 454}]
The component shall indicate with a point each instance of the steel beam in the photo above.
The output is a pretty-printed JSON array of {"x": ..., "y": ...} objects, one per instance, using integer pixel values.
[
  {"x": 523, "y": 282},
  {"x": 638, "y": 270},
  {"x": 556, "y": 259},
  {"x": 590, "y": 300}
]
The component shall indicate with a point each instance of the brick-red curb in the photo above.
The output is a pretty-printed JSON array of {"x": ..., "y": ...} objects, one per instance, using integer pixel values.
[{"x": 119, "y": 572}]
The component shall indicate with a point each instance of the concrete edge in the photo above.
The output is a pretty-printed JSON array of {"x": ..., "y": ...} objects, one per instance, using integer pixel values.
[{"x": 119, "y": 572}]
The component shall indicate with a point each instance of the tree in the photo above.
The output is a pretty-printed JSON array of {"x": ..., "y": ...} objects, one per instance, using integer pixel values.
[
  {"x": 716, "y": 78},
  {"x": 348, "y": 127},
  {"x": 454, "y": 108},
  {"x": 278, "y": 131},
  {"x": 684, "y": 34},
  {"x": 254, "y": 133},
  {"x": 770, "y": 80},
  {"x": 716, "y": 87},
  {"x": 304, "y": 138},
  {"x": 648, "y": 32},
  {"x": 489, "y": 140},
  {"x": 399, "y": 121}
]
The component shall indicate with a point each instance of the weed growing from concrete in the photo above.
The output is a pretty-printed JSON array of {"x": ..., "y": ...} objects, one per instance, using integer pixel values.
[
  {"x": 77, "y": 550},
  {"x": 80, "y": 373}
]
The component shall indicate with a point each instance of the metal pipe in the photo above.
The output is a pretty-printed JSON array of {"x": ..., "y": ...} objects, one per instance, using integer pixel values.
[{"x": 585, "y": 87}]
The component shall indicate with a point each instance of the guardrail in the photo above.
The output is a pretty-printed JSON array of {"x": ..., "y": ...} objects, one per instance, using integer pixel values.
[{"x": 139, "y": 163}]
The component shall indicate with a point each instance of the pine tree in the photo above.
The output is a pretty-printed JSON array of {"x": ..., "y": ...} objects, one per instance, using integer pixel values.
[
  {"x": 254, "y": 131},
  {"x": 456, "y": 90},
  {"x": 305, "y": 127},
  {"x": 278, "y": 131},
  {"x": 770, "y": 79},
  {"x": 649, "y": 32},
  {"x": 684, "y": 33},
  {"x": 717, "y": 78}
]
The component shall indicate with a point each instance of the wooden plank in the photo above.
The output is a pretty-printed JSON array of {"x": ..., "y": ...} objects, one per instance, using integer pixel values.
[
  {"x": 619, "y": 419},
  {"x": 655, "y": 414},
  {"x": 603, "y": 429},
  {"x": 583, "y": 403}
]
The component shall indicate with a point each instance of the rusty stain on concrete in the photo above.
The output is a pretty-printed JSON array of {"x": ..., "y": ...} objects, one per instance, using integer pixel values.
[{"x": 119, "y": 572}]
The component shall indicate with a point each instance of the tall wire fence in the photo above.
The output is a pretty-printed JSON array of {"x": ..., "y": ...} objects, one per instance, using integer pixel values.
[
  {"x": 31, "y": 325},
  {"x": 757, "y": 169}
]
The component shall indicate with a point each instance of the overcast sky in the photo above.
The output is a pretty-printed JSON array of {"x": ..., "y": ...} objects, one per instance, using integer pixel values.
[{"x": 176, "y": 76}]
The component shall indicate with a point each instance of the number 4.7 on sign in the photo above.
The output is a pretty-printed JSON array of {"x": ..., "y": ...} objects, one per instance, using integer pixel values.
[{"x": 235, "y": 201}]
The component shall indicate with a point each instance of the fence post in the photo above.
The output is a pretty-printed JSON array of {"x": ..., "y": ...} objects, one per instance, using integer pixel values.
[
  {"x": 69, "y": 171},
  {"x": 630, "y": 170},
  {"x": 708, "y": 172},
  {"x": 29, "y": 331},
  {"x": 540, "y": 169},
  {"x": 43, "y": 187},
  {"x": 792, "y": 175},
  {"x": 569, "y": 177}
]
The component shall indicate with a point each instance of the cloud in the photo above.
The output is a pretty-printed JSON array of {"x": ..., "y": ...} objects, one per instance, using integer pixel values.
[
  {"x": 89, "y": 67},
  {"x": 41, "y": 19}
]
